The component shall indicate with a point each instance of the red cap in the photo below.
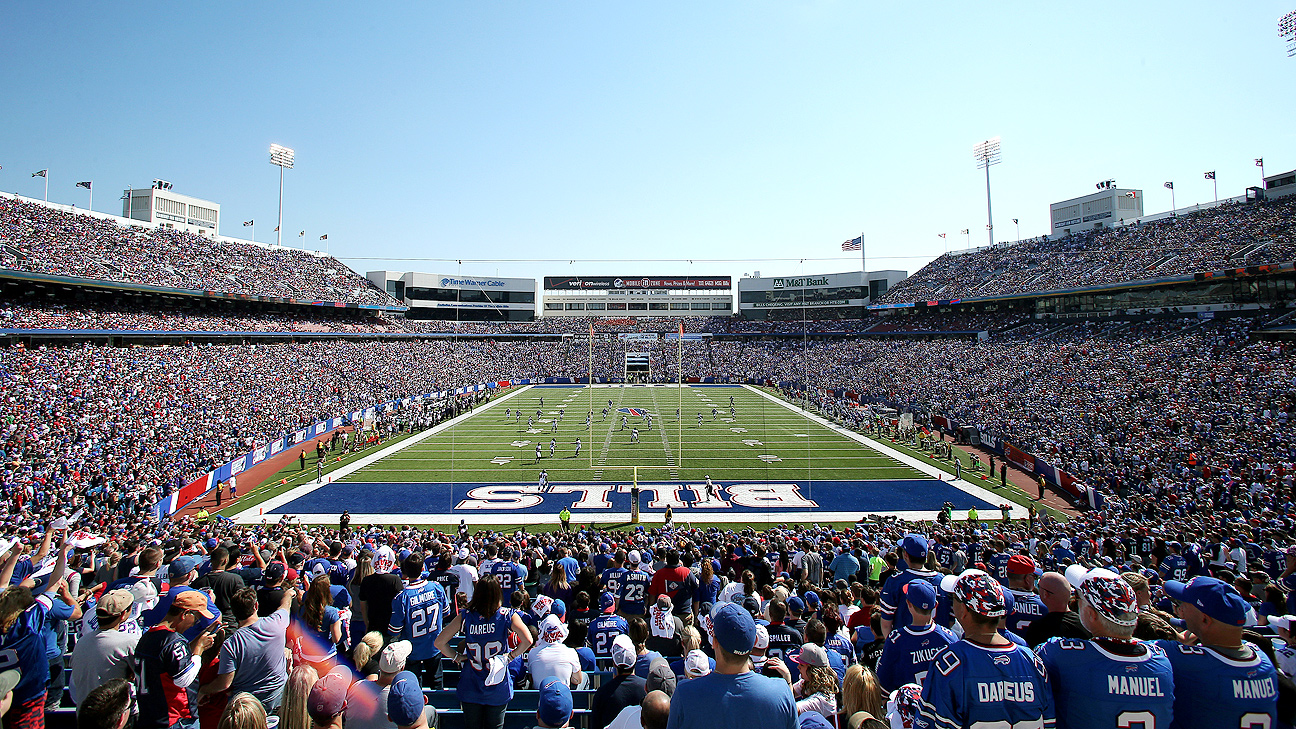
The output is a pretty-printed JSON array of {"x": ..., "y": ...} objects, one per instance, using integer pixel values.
[{"x": 1020, "y": 564}]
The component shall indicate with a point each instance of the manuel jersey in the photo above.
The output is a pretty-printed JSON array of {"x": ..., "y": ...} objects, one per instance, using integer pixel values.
[
  {"x": 908, "y": 654},
  {"x": 971, "y": 685},
  {"x": 1214, "y": 690},
  {"x": 1095, "y": 687},
  {"x": 634, "y": 591},
  {"x": 417, "y": 613},
  {"x": 1027, "y": 608}
]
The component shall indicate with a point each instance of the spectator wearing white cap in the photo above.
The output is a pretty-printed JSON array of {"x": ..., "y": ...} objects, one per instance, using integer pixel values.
[
  {"x": 466, "y": 571},
  {"x": 104, "y": 654},
  {"x": 733, "y": 696},
  {"x": 1110, "y": 677},
  {"x": 622, "y": 690},
  {"x": 367, "y": 700},
  {"x": 984, "y": 679},
  {"x": 549, "y": 657},
  {"x": 1284, "y": 655}
]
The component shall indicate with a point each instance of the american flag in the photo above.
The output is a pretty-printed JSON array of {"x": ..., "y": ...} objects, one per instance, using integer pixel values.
[{"x": 854, "y": 244}]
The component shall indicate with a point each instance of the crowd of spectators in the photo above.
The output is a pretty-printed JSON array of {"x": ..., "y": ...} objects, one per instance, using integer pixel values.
[
  {"x": 37, "y": 238},
  {"x": 1227, "y": 236}
]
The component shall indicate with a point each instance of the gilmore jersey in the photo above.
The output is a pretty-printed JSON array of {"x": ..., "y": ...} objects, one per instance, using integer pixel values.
[
  {"x": 894, "y": 607},
  {"x": 417, "y": 614},
  {"x": 1027, "y": 608},
  {"x": 908, "y": 653},
  {"x": 971, "y": 685},
  {"x": 1096, "y": 688},
  {"x": 634, "y": 591},
  {"x": 603, "y": 630},
  {"x": 611, "y": 579},
  {"x": 509, "y": 576},
  {"x": 1214, "y": 690},
  {"x": 22, "y": 646},
  {"x": 997, "y": 566},
  {"x": 484, "y": 638},
  {"x": 1173, "y": 567}
]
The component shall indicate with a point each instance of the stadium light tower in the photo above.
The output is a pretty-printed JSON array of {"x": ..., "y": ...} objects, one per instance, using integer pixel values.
[
  {"x": 987, "y": 154},
  {"x": 281, "y": 157}
]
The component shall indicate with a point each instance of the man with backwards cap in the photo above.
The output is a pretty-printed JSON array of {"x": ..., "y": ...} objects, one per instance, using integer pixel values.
[
  {"x": 1110, "y": 680},
  {"x": 913, "y": 555},
  {"x": 908, "y": 652},
  {"x": 733, "y": 696},
  {"x": 1222, "y": 680},
  {"x": 984, "y": 680}
]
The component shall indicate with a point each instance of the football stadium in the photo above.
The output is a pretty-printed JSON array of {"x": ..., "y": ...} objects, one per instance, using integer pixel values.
[{"x": 663, "y": 367}]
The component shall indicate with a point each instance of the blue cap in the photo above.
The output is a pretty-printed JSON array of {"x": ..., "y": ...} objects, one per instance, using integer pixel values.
[
  {"x": 921, "y": 593},
  {"x": 558, "y": 608},
  {"x": 606, "y": 601},
  {"x": 751, "y": 604},
  {"x": 813, "y": 720},
  {"x": 183, "y": 565},
  {"x": 915, "y": 545},
  {"x": 1215, "y": 598},
  {"x": 405, "y": 700},
  {"x": 796, "y": 605},
  {"x": 734, "y": 629},
  {"x": 555, "y": 708},
  {"x": 812, "y": 600}
]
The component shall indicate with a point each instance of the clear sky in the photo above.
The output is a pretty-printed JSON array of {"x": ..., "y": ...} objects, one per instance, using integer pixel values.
[{"x": 633, "y": 131}]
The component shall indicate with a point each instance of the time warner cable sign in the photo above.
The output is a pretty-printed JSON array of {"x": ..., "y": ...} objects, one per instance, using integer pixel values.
[{"x": 471, "y": 282}]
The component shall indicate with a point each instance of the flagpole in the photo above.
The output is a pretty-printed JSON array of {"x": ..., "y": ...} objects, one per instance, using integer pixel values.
[
  {"x": 46, "y": 176},
  {"x": 91, "y": 189},
  {"x": 1216, "y": 186}
]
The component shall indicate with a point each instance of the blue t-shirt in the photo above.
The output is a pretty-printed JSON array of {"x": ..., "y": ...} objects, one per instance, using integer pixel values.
[
  {"x": 844, "y": 566},
  {"x": 1095, "y": 688},
  {"x": 317, "y": 646},
  {"x": 1214, "y": 690},
  {"x": 725, "y": 701},
  {"x": 571, "y": 567},
  {"x": 58, "y": 611},
  {"x": 708, "y": 592},
  {"x": 969, "y": 684},
  {"x": 1027, "y": 608},
  {"x": 484, "y": 638},
  {"x": 892, "y": 601},
  {"x": 908, "y": 653},
  {"x": 22, "y": 647},
  {"x": 417, "y": 613},
  {"x": 603, "y": 630},
  {"x": 642, "y": 663}
]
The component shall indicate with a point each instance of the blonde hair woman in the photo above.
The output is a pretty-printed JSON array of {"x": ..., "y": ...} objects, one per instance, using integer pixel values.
[
  {"x": 243, "y": 712},
  {"x": 366, "y": 650},
  {"x": 292, "y": 711},
  {"x": 861, "y": 692}
]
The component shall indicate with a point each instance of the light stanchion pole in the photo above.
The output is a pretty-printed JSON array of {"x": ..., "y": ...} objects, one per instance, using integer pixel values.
[
  {"x": 282, "y": 157},
  {"x": 987, "y": 155}
]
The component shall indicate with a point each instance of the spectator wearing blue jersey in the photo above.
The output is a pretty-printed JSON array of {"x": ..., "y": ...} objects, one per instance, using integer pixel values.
[
  {"x": 913, "y": 557},
  {"x": 1110, "y": 680},
  {"x": 1222, "y": 680},
  {"x": 908, "y": 652},
  {"x": 1027, "y": 606},
  {"x": 22, "y": 617},
  {"x": 318, "y": 628},
  {"x": 417, "y": 614},
  {"x": 634, "y": 588},
  {"x": 604, "y": 629},
  {"x": 984, "y": 680},
  {"x": 733, "y": 696},
  {"x": 509, "y": 574},
  {"x": 610, "y": 579},
  {"x": 489, "y": 630},
  {"x": 1173, "y": 566}
]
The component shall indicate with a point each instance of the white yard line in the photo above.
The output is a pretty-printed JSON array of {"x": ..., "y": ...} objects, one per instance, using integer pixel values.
[{"x": 247, "y": 517}]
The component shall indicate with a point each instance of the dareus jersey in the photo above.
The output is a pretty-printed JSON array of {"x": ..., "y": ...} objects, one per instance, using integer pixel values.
[
  {"x": 1097, "y": 688},
  {"x": 971, "y": 685},
  {"x": 417, "y": 613},
  {"x": 908, "y": 654},
  {"x": 1214, "y": 690}
]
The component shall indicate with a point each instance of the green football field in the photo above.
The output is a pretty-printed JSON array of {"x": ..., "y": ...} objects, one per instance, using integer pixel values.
[{"x": 760, "y": 440}]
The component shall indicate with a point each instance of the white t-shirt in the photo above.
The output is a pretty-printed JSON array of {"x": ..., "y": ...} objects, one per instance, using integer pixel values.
[
  {"x": 629, "y": 718},
  {"x": 555, "y": 660},
  {"x": 467, "y": 579}
]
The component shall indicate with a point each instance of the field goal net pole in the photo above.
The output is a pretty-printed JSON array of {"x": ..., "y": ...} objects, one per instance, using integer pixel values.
[{"x": 634, "y": 487}]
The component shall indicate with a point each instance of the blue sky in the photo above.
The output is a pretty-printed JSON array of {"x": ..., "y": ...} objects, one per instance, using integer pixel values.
[{"x": 635, "y": 131}]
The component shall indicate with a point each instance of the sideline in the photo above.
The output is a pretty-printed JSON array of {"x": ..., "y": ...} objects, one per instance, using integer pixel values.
[{"x": 274, "y": 502}]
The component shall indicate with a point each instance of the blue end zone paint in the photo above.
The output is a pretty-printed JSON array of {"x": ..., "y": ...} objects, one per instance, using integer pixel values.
[{"x": 443, "y": 498}]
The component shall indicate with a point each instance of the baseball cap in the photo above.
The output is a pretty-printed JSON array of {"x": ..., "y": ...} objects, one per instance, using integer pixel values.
[
  {"x": 633, "y": 557},
  {"x": 393, "y": 657},
  {"x": 696, "y": 664},
  {"x": 559, "y": 609},
  {"x": 195, "y": 600},
  {"x": 1020, "y": 564},
  {"x": 405, "y": 700},
  {"x": 9, "y": 679},
  {"x": 1282, "y": 621},
  {"x": 1213, "y": 597},
  {"x": 812, "y": 600},
  {"x": 183, "y": 565},
  {"x": 555, "y": 707},
  {"x": 980, "y": 592},
  {"x": 1107, "y": 593},
  {"x": 273, "y": 572},
  {"x": 660, "y": 677},
  {"x": 327, "y": 697},
  {"x": 752, "y": 605},
  {"x": 914, "y": 544},
  {"x": 623, "y": 651},
  {"x": 606, "y": 601},
  {"x": 796, "y": 605},
  {"x": 921, "y": 593},
  {"x": 734, "y": 629},
  {"x": 812, "y": 654},
  {"x": 115, "y": 602},
  {"x": 812, "y": 720},
  {"x": 762, "y": 637}
]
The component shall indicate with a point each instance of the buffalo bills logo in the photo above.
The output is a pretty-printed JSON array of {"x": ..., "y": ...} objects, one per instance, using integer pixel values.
[{"x": 1001, "y": 660}]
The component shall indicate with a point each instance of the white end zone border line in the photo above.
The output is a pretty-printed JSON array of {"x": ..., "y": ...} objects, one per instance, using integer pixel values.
[
  {"x": 1017, "y": 511},
  {"x": 274, "y": 502}
]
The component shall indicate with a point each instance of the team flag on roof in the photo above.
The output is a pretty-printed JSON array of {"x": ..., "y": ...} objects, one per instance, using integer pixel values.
[
  {"x": 963, "y": 232},
  {"x": 42, "y": 173},
  {"x": 1210, "y": 175},
  {"x": 324, "y": 237},
  {"x": 1130, "y": 194},
  {"x": 86, "y": 185},
  {"x": 1259, "y": 161},
  {"x": 1168, "y": 185},
  {"x": 854, "y": 244},
  {"x": 941, "y": 235},
  {"x": 246, "y": 223}
]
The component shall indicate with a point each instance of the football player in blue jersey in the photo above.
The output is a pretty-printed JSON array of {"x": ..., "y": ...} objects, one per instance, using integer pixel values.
[
  {"x": 913, "y": 555},
  {"x": 1222, "y": 681},
  {"x": 1027, "y": 606},
  {"x": 908, "y": 651},
  {"x": 417, "y": 613},
  {"x": 984, "y": 680},
  {"x": 604, "y": 629},
  {"x": 1110, "y": 680}
]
